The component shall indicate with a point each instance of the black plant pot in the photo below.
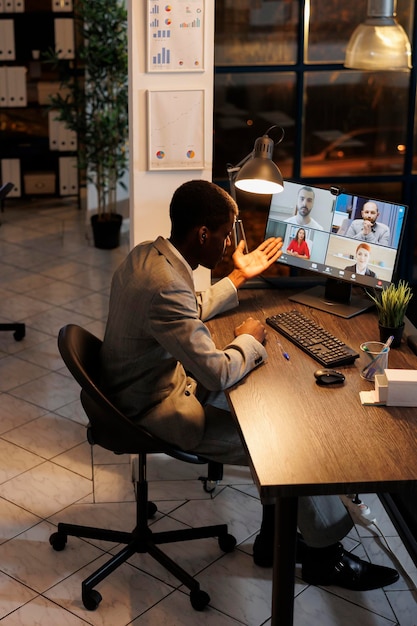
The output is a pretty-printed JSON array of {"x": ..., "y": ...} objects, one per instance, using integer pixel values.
[
  {"x": 397, "y": 333},
  {"x": 106, "y": 230}
]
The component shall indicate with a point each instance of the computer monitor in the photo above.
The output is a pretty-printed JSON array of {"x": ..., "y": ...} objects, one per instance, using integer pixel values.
[{"x": 340, "y": 243}]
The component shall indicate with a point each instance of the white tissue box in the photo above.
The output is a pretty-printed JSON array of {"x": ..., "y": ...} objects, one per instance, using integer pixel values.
[{"x": 397, "y": 387}]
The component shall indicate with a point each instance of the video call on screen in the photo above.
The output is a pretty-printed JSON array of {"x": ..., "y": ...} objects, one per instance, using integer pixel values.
[{"x": 332, "y": 250}]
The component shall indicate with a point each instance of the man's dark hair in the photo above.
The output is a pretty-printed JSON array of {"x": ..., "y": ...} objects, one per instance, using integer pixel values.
[
  {"x": 306, "y": 188},
  {"x": 199, "y": 203}
]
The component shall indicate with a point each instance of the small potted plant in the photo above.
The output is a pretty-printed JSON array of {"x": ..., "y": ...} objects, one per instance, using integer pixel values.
[{"x": 391, "y": 304}]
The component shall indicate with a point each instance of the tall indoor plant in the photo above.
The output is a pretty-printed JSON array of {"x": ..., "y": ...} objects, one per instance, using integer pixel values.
[{"x": 94, "y": 101}]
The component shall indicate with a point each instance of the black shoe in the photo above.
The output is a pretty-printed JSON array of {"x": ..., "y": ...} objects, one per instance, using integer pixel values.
[
  {"x": 263, "y": 550},
  {"x": 348, "y": 571}
]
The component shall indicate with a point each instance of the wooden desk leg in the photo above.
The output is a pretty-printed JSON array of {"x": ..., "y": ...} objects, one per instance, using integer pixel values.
[{"x": 284, "y": 562}]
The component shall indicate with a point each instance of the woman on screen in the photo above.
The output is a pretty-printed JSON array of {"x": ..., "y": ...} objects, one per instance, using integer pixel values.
[
  {"x": 363, "y": 252},
  {"x": 298, "y": 246}
]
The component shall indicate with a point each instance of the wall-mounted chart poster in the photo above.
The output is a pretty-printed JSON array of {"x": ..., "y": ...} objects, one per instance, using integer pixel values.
[
  {"x": 175, "y": 32},
  {"x": 176, "y": 130}
]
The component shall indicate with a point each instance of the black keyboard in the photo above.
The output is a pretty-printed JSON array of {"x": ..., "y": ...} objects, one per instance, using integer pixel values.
[{"x": 313, "y": 339}]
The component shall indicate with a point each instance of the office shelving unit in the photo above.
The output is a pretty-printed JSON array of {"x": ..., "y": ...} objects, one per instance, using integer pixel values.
[{"x": 37, "y": 153}]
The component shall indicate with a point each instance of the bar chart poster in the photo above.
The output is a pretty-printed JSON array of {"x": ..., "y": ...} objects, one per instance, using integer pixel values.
[
  {"x": 176, "y": 130},
  {"x": 175, "y": 33}
]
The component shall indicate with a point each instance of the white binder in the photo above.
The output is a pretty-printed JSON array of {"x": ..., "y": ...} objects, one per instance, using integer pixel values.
[
  {"x": 53, "y": 130},
  {"x": 60, "y": 137},
  {"x": 18, "y": 6},
  {"x": 68, "y": 176},
  {"x": 10, "y": 173},
  {"x": 7, "y": 47},
  {"x": 63, "y": 137},
  {"x": 64, "y": 38},
  {"x": 70, "y": 139},
  {"x": 62, "y": 6},
  {"x": 16, "y": 86},
  {"x": 3, "y": 87}
]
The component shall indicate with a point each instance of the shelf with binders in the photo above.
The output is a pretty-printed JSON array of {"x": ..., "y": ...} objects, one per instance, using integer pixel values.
[
  {"x": 26, "y": 36},
  {"x": 53, "y": 175},
  {"x": 37, "y": 154},
  {"x": 31, "y": 143},
  {"x": 36, "y": 6}
]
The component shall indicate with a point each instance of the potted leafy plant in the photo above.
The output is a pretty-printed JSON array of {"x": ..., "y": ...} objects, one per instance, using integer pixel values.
[
  {"x": 93, "y": 102},
  {"x": 391, "y": 304}
]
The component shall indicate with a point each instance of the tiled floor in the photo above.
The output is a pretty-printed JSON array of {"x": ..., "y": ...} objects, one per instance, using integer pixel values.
[{"x": 51, "y": 275}]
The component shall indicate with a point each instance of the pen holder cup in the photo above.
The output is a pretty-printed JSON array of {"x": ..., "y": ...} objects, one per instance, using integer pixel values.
[{"x": 377, "y": 359}]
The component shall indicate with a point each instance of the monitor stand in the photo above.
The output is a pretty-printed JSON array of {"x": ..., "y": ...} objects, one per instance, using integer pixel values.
[{"x": 334, "y": 297}]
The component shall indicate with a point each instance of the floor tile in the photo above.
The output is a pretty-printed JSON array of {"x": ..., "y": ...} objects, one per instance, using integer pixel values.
[
  {"x": 13, "y": 595},
  {"x": 30, "y": 559},
  {"x": 15, "y": 460},
  {"x": 239, "y": 588},
  {"x": 14, "y": 520},
  {"x": 178, "y": 604},
  {"x": 48, "y": 435},
  {"x": 50, "y": 391},
  {"x": 124, "y": 595},
  {"x": 318, "y": 607},
  {"x": 42, "y": 611},
  {"x": 16, "y": 411},
  {"x": 45, "y": 489},
  {"x": 14, "y": 372},
  {"x": 45, "y": 354}
]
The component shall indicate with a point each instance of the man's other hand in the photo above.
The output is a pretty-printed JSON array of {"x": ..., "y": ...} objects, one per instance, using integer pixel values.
[{"x": 251, "y": 327}]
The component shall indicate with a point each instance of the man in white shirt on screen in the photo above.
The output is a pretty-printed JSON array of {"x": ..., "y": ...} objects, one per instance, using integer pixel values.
[{"x": 305, "y": 203}]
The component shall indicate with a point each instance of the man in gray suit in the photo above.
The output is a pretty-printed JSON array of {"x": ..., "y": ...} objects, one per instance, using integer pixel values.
[
  {"x": 161, "y": 367},
  {"x": 367, "y": 228}
]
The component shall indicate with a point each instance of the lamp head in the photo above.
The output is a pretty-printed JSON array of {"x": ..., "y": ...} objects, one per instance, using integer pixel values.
[{"x": 260, "y": 174}]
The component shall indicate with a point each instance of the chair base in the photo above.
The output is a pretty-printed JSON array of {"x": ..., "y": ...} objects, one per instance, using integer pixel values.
[
  {"x": 18, "y": 328},
  {"x": 142, "y": 544},
  {"x": 142, "y": 540}
]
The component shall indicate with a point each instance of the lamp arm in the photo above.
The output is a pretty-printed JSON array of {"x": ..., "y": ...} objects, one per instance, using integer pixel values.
[
  {"x": 238, "y": 228},
  {"x": 234, "y": 169}
]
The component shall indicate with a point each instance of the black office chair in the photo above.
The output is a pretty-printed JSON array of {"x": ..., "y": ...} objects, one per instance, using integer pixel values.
[
  {"x": 112, "y": 430},
  {"x": 18, "y": 327}
]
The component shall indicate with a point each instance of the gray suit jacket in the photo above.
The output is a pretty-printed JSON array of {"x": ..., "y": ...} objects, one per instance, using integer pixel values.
[{"x": 156, "y": 345}]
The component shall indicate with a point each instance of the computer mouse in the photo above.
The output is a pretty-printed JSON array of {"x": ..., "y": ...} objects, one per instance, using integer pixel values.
[{"x": 326, "y": 377}]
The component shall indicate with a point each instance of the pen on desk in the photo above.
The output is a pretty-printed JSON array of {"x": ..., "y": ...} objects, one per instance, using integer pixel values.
[
  {"x": 387, "y": 343},
  {"x": 284, "y": 354}
]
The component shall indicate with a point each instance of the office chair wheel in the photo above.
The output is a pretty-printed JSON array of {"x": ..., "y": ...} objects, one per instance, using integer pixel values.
[
  {"x": 227, "y": 543},
  {"x": 58, "y": 541},
  {"x": 91, "y": 599},
  {"x": 199, "y": 599},
  {"x": 152, "y": 509},
  {"x": 18, "y": 335},
  {"x": 208, "y": 485}
]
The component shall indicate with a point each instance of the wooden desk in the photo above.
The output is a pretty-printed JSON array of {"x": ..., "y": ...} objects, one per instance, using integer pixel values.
[{"x": 303, "y": 439}]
